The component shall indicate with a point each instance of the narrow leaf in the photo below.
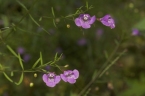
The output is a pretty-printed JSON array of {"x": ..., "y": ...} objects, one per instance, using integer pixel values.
[
  {"x": 55, "y": 57},
  {"x": 22, "y": 5},
  {"x": 12, "y": 73},
  {"x": 40, "y": 18},
  {"x": 52, "y": 12},
  {"x": 20, "y": 61},
  {"x": 12, "y": 51},
  {"x": 41, "y": 58},
  {"x": 78, "y": 11},
  {"x": 54, "y": 23},
  {"x": 106, "y": 54},
  {"x": 21, "y": 79},
  {"x": 7, "y": 77},
  {"x": 87, "y": 5},
  {"x": 35, "y": 64},
  {"x": 37, "y": 23},
  {"x": 60, "y": 57},
  {"x": 34, "y": 20}
]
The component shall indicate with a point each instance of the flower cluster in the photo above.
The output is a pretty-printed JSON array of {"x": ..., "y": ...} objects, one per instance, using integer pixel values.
[
  {"x": 85, "y": 21},
  {"x": 51, "y": 79}
]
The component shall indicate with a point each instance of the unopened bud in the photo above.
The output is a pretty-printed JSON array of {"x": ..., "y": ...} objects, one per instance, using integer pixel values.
[
  {"x": 35, "y": 75},
  {"x": 31, "y": 84},
  {"x": 66, "y": 66},
  {"x": 68, "y": 26}
]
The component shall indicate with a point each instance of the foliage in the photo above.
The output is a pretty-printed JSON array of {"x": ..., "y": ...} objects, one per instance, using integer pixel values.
[{"x": 40, "y": 36}]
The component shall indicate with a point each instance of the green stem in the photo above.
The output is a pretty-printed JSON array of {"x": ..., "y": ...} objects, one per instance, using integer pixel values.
[{"x": 102, "y": 71}]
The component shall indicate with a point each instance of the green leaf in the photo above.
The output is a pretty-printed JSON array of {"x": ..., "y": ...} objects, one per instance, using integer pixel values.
[
  {"x": 34, "y": 20},
  {"x": 37, "y": 23},
  {"x": 140, "y": 25},
  {"x": 78, "y": 11},
  {"x": 55, "y": 57},
  {"x": 54, "y": 23},
  {"x": 35, "y": 64},
  {"x": 22, "y": 5},
  {"x": 20, "y": 61},
  {"x": 87, "y": 5},
  {"x": 41, "y": 58},
  {"x": 12, "y": 73},
  {"x": 40, "y": 18},
  {"x": 12, "y": 51},
  {"x": 52, "y": 12},
  {"x": 106, "y": 54},
  {"x": 7, "y": 77},
  {"x": 60, "y": 57},
  {"x": 20, "y": 80}
]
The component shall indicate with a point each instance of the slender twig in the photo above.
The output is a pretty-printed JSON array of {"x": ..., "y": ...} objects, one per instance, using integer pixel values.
[{"x": 101, "y": 72}]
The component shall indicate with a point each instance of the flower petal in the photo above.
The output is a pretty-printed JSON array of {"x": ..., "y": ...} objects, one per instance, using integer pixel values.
[
  {"x": 71, "y": 80},
  {"x": 57, "y": 79},
  {"x": 51, "y": 84},
  {"x": 105, "y": 22},
  {"x": 92, "y": 20},
  {"x": 63, "y": 77},
  {"x": 77, "y": 22},
  {"x": 106, "y": 17},
  {"x": 112, "y": 26},
  {"x": 76, "y": 73},
  {"x": 45, "y": 78},
  {"x": 85, "y": 25}
]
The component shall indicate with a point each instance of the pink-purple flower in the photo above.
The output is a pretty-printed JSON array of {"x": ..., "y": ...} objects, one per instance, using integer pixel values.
[
  {"x": 70, "y": 76},
  {"x": 51, "y": 79},
  {"x": 85, "y": 21},
  {"x": 20, "y": 50},
  {"x": 107, "y": 20},
  {"x": 26, "y": 57},
  {"x": 135, "y": 32}
]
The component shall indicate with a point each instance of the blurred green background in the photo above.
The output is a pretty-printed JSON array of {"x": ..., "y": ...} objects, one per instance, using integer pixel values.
[{"x": 83, "y": 49}]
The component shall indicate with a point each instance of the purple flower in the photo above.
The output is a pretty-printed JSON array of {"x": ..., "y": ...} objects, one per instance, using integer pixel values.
[
  {"x": 70, "y": 76},
  {"x": 51, "y": 79},
  {"x": 26, "y": 57},
  {"x": 107, "y": 20},
  {"x": 82, "y": 42},
  {"x": 20, "y": 50},
  {"x": 135, "y": 32},
  {"x": 85, "y": 21}
]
